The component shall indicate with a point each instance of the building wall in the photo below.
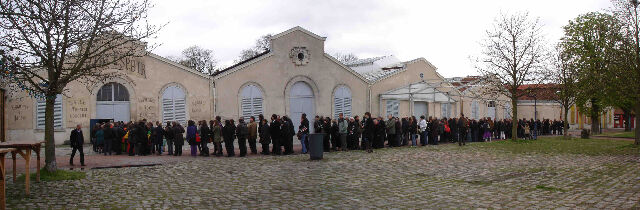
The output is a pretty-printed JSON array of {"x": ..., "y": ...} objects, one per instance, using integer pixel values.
[
  {"x": 409, "y": 76},
  {"x": 145, "y": 85},
  {"x": 276, "y": 73}
]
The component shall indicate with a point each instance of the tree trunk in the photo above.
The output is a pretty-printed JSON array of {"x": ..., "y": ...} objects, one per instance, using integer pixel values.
[
  {"x": 627, "y": 119},
  {"x": 514, "y": 118},
  {"x": 50, "y": 149},
  {"x": 595, "y": 117},
  {"x": 637, "y": 141},
  {"x": 565, "y": 124}
]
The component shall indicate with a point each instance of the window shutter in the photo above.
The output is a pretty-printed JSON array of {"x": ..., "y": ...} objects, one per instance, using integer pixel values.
[
  {"x": 167, "y": 110},
  {"x": 474, "y": 110},
  {"x": 346, "y": 109},
  {"x": 180, "y": 110},
  {"x": 337, "y": 104},
  {"x": 57, "y": 113}
]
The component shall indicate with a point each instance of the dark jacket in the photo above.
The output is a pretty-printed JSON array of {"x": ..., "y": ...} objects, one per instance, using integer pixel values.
[
  {"x": 305, "y": 123},
  {"x": 275, "y": 130},
  {"x": 228, "y": 133},
  {"x": 158, "y": 133},
  {"x": 264, "y": 133},
  {"x": 191, "y": 134},
  {"x": 76, "y": 139},
  {"x": 368, "y": 131},
  {"x": 178, "y": 138},
  {"x": 242, "y": 131}
]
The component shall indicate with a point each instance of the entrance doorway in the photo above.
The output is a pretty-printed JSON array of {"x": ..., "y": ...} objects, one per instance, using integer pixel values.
[
  {"x": 113, "y": 103},
  {"x": 301, "y": 100}
]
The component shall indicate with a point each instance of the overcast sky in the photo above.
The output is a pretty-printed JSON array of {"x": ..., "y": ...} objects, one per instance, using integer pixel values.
[{"x": 444, "y": 32}]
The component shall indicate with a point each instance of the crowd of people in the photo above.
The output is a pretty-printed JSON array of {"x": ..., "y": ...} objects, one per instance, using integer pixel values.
[{"x": 277, "y": 134}]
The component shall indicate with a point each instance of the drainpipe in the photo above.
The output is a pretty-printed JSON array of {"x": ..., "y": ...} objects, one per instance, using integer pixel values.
[
  {"x": 380, "y": 106},
  {"x": 212, "y": 88},
  {"x": 369, "y": 98}
]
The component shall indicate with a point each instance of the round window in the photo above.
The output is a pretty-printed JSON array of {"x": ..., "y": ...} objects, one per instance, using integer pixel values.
[{"x": 300, "y": 56}]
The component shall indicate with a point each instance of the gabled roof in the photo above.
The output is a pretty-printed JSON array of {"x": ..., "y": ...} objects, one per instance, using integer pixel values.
[
  {"x": 298, "y": 28},
  {"x": 240, "y": 63},
  {"x": 543, "y": 92},
  {"x": 377, "y": 68},
  {"x": 180, "y": 66}
]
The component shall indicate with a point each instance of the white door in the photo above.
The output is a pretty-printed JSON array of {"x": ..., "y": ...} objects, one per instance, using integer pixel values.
[
  {"x": 420, "y": 108},
  {"x": 113, "y": 103},
  {"x": 491, "y": 110},
  {"x": 301, "y": 100}
]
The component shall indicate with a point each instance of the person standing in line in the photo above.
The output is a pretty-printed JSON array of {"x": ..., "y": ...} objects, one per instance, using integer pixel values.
[
  {"x": 335, "y": 135},
  {"x": 253, "y": 134},
  {"x": 422, "y": 130},
  {"x": 413, "y": 130},
  {"x": 434, "y": 128},
  {"x": 228, "y": 134},
  {"x": 326, "y": 129},
  {"x": 178, "y": 138},
  {"x": 288, "y": 133},
  {"x": 191, "y": 137},
  {"x": 205, "y": 138},
  {"x": 317, "y": 124},
  {"x": 242, "y": 132},
  {"x": 358, "y": 128},
  {"x": 276, "y": 134},
  {"x": 265, "y": 136},
  {"x": 367, "y": 132},
  {"x": 351, "y": 133},
  {"x": 168, "y": 135},
  {"x": 391, "y": 131},
  {"x": 463, "y": 126},
  {"x": 109, "y": 138},
  {"x": 343, "y": 130},
  {"x": 158, "y": 134},
  {"x": 77, "y": 142},
  {"x": 304, "y": 133},
  {"x": 216, "y": 136}
]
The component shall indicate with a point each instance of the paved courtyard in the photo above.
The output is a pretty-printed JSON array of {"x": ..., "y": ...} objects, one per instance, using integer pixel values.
[{"x": 444, "y": 176}]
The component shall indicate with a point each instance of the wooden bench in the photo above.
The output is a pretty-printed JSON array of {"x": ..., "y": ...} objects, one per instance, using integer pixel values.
[
  {"x": 24, "y": 148},
  {"x": 3, "y": 196}
]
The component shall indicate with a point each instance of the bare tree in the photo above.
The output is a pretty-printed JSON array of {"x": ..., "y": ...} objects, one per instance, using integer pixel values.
[
  {"x": 626, "y": 11},
  {"x": 514, "y": 52},
  {"x": 51, "y": 43},
  {"x": 262, "y": 44},
  {"x": 346, "y": 58},
  {"x": 198, "y": 58},
  {"x": 566, "y": 79}
]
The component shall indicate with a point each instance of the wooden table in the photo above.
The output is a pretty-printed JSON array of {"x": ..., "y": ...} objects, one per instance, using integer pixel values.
[
  {"x": 3, "y": 196},
  {"x": 24, "y": 148}
]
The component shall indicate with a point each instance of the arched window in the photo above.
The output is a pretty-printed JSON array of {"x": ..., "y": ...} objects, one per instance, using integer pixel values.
[
  {"x": 251, "y": 104},
  {"x": 113, "y": 102},
  {"x": 342, "y": 101},
  {"x": 174, "y": 105}
]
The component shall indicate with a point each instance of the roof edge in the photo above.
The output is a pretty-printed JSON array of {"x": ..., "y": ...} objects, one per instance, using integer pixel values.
[
  {"x": 180, "y": 66},
  {"x": 298, "y": 28}
]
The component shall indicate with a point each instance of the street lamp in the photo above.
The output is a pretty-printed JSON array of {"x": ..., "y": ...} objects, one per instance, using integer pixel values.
[{"x": 535, "y": 114}]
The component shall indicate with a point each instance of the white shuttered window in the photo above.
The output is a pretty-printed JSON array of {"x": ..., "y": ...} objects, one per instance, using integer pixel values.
[
  {"x": 251, "y": 104},
  {"x": 57, "y": 113},
  {"x": 174, "y": 105},
  {"x": 342, "y": 102},
  {"x": 445, "y": 108},
  {"x": 392, "y": 108}
]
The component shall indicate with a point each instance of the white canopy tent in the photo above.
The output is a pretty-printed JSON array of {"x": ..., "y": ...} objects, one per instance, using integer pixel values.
[{"x": 421, "y": 91}]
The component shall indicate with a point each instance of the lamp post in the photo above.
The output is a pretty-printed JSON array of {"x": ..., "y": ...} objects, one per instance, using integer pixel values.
[{"x": 535, "y": 117}]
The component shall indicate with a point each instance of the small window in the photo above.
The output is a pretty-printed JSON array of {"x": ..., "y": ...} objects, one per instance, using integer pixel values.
[
  {"x": 491, "y": 104},
  {"x": 392, "y": 108},
  {"x": 57, "y": 113}
]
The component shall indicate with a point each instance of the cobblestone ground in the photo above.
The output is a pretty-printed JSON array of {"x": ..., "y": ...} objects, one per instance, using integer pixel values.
[{"x": 444, "y": 176}]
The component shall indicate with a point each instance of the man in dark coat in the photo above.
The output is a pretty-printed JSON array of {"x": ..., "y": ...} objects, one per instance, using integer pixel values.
[
  {"x": 462, "y": 128},
  {"x": 205, "y": 136},
  {"x": 228, "y": 132},
  {"x": 276, "y": 134},
  {"x": 288, "y": 132},
  {"x": 178, "y": 138},
  {"x": 158, "y": 133},
  {"x": 117, "y": 144},
  {"x": 109, "y": 138},
  {"x": 242, "y": 132},
  {"x": 367, "y": 132},
  {"x": 77, "y": 141}
]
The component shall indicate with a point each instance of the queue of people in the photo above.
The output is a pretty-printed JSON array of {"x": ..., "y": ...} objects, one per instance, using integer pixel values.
[{"x": 276, "y": 135}]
